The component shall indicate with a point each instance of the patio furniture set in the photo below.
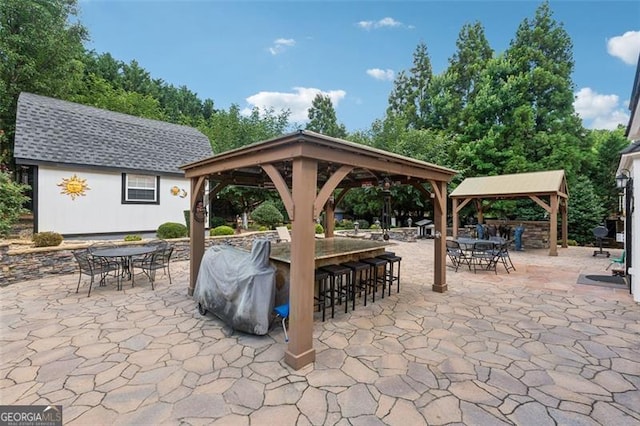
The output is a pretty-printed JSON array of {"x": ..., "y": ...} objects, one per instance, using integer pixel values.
[
  {"x": 101, "y": 261},
  {"x": 479, "y": 254}
]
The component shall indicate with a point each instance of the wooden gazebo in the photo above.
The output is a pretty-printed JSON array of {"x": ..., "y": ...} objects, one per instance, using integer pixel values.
[
  {"x": 548, "y": 189},
  {"x": 312, "y": 172}
]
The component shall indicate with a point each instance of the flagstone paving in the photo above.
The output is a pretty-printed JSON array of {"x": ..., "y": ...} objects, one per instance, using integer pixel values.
[{"x": 530, "y": 348}]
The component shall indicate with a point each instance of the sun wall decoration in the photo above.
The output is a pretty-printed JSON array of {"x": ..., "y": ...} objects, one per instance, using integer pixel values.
[
  {"x": 74, "y": 187},
  {"x": 175, "y": 191}
]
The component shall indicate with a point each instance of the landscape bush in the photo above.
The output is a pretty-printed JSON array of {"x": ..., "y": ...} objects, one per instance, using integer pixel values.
[
  {"x": 319, "y": 229},
  {"x": 221, "y": 230},
  {"x": 11, "y": 201},
  {"x": 267, "y": 214},
  {"x": 363, "y": 223},
  {"x": 217, "y": 221},
  {"x": 47, "y": 239},
  {"x": 171, "y": 230},
  {"x": 344, "y": 224},
  {"x": 133, "y": 238}
]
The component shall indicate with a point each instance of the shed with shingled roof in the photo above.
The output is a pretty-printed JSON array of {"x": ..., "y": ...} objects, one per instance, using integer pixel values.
[{"x": 98, "y": 171}]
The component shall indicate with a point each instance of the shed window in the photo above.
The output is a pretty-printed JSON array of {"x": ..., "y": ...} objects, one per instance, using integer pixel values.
[{"x": 140, "y": 189}]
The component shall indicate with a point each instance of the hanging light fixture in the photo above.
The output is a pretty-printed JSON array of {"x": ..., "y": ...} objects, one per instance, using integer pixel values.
[{"x": 622, "y": 179}]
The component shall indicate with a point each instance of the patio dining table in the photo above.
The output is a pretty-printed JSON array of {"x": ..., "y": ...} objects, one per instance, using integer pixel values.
[
  {"x": 123, "y": 256},
  {"x": 466, "y": 243}
]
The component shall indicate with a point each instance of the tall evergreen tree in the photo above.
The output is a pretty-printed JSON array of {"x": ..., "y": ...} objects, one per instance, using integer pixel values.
[
  {"x": 541, "y": 55},
  {"x": 462, "y": 77},
  {"x": 41, "y": 50},
  {"x": 469, "y": 60},
  {"x": 410, "y": 96},
  {"x": 322, "y": 118}
]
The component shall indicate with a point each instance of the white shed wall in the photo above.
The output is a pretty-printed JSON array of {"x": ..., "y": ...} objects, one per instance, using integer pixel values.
[{"x": 101, "y": 209}]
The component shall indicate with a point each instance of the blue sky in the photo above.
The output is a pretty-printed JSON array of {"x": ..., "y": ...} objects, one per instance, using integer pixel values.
[{"x": 280, "y": 54}]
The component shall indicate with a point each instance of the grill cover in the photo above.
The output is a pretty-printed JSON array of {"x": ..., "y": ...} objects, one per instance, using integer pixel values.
[{"x": 238, "y": 287}]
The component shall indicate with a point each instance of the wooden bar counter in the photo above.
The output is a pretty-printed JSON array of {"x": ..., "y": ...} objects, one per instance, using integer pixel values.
[{"x": 328, "y": 251}]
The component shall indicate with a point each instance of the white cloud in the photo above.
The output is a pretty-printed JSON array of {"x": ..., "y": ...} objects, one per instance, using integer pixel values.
[
  {"x": 280, "y": 45},
  {"x": 297, "y": 102},
  {"x": 599, "y": 111},
  {"x": 380, "y": 74},
  {"x": 625, "y": 47},
  {"x": 382, "y": 23}
]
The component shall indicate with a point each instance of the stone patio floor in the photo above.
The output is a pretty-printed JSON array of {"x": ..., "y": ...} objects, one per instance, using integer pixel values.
[{"x": 530, "y": 348}]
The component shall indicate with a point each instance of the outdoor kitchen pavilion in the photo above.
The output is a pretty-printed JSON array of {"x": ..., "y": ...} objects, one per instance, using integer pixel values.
[
  {"x": 538, "y": 186},
  {"x": 305, "y": 168}
]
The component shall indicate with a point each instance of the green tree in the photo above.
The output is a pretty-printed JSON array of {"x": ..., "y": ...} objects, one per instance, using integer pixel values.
[
  {"x": 462, "y": 77},
  {"x": 41, "y": 50},
  {"x": 585, "y": 211},
  {"x": 97, "y": 92},
  {"x": 11, "y": 202},
  {"x": 231, "y": 129},
  {"x": 603, "y": 164},
  {"x": 267, "y": 214},
  {"x": 410, "y": 96},
  {"x": 322, "y": 118},
  {"x": 542, "y": 60}
]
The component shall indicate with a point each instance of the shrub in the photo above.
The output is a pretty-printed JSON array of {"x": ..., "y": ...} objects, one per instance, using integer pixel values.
[
  {"x": 267, "y": 214},
  {"x": 346, "y": 224},
  {"x": 47, "y": 239},
  {"x": 217, "y": 221},
  {"x": 319, "y": 229},
  {"x": 133, "y": 238},
  {"x": 374, "y": 226},
  {"x": 262, "y": 228},
  {"x": 363, "y": 224},
  {"x": 187, "y": 219},
  {"x": 222, "y": 230},
  {"x": 11, "y": 201},
  {"x": 171, "y": 230}
]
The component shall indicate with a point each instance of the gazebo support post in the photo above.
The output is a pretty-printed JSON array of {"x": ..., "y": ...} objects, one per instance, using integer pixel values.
[
  {"x": 553, "y": 226},
  {"x": 456, "y": 219},
  {"x": 565, "y": 225},
  {"x": 329, "y": 218},
  {"x": 440, "y": 232},
  {"x": 196, "y": 242},
  {"x": 300, "y": 351}
]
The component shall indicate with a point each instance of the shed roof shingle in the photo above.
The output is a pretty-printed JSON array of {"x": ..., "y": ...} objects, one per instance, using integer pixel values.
[{"x": 54, "y": 131}]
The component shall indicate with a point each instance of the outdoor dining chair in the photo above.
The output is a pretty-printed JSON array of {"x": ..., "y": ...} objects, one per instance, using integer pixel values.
[
  {"x": 483, "y": 256},
  {"x": 501, "y": 254},
  {"x": 457, "y": 255},
  {"x": 93, "y": 267},
  {"x": 158, "y": 259},
  {"x": 618, "y": 261}
]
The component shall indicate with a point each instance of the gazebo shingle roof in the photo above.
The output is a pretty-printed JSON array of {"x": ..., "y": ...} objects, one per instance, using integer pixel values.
[{"x": 50, "y": 130}]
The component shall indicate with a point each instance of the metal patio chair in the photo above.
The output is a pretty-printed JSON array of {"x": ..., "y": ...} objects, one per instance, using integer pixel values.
[
  {"x": 91, "y": 266},
  {"x": 457, "y": 255}
]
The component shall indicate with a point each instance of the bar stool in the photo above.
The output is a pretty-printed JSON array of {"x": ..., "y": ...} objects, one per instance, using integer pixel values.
[
  {"x": 321, "y": 278},
  {"x": 392, "y": 277},
  {"x": 375, "y": 278},
  {"x": 340, "y": 284},
  {"x": 359, "y": 279}
]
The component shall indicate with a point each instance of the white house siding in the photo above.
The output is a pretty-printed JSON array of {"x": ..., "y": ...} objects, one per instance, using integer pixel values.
[
  {"x": 631, "y": 162},
  {"x": 634, "y": 271},
  {"x": 101, "y": 210}
]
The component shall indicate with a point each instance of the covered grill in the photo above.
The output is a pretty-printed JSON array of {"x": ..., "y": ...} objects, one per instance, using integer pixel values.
[{"x": 238, "y": 287}]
